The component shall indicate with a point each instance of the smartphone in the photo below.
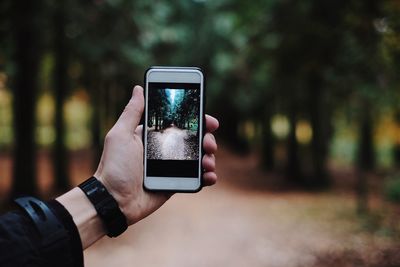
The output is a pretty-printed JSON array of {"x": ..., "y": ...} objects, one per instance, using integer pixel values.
[{"x": 173, "y": 129}]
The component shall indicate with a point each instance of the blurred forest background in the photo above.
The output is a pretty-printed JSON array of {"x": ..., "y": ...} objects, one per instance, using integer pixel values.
[{"x": 307, "y": 93}]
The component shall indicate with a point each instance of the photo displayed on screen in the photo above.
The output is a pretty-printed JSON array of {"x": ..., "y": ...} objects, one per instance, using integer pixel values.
[{"x": 173, "y": 122}]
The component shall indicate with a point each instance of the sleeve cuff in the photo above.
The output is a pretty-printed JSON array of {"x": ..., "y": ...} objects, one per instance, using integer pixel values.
[{"x": 75, "y": 241}]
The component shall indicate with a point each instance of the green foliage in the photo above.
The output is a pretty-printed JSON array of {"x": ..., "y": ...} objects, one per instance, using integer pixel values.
[
  {"x": 173, "y": 106},
  {"x": 306, "y": 60},
  {"x": 392, "y": 188}
]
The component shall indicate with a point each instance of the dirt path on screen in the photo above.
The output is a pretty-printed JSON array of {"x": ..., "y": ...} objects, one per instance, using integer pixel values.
[{"x": 172, "y": 143}]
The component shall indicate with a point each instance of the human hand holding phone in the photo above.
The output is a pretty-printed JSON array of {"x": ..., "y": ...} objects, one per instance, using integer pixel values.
[{"x": 121, "y": 166}]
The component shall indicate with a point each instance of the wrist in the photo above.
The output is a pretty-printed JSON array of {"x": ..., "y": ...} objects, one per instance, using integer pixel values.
[
  {"x": 106, "y": 206},
  {"x": 84, "y": 215},
  {"x": 122, "y": 193}
]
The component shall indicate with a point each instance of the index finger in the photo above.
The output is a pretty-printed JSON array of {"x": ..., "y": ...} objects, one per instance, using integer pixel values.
[{"x": 212, "y": 123}]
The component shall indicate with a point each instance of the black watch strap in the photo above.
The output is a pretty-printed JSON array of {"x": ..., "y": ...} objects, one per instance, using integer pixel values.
[{"x": 106, "y": 206}]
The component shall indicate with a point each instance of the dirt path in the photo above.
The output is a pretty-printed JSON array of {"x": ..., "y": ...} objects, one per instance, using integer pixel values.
[
  {"x": 171, "y": 144},
  {"x": 229, "y": 225},
  {"x": 247, "y": 219}
]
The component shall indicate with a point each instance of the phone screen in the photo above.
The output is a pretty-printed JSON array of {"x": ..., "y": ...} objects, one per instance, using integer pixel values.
[{"x": 173, "y": 142}]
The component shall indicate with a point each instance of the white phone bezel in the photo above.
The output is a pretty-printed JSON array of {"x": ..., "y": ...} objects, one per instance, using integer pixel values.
[{"x": 174, "y": 75}]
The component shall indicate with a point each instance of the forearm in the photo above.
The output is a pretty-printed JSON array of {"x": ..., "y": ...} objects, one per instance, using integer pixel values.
[{"x": 87, "y": 221}]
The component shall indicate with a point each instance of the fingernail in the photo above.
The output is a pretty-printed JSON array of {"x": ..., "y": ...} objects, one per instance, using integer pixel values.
[
  {"x": 135, "y": 89},
  {"x": 213, "y": 137}
]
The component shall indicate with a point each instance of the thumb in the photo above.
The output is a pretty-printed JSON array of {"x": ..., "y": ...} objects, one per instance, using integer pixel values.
[{"x": 132, "y": 113}]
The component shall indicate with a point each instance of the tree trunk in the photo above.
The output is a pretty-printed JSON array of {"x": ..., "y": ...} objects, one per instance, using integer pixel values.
[
  {"x": 366, "y": 158},
  {"x": 319, "y": 118},
  {"x": 229, "y": 129},
  {"x": 27, "y": 55},
  {"x": 267, "y": 142},
  {"x": 293, "y": 165},
  {"x": 96, "y": 130},
  {"x": 60, "y": 90},
  {"x": 157, "y": 125},
  {"x": 396, "y": 148},
  {"x": 230, "y": 124},
  {"x": 94, "y": 89}
]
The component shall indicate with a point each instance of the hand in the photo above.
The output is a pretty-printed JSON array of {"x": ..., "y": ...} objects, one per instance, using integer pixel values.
[{"x": 121, "y": 165}]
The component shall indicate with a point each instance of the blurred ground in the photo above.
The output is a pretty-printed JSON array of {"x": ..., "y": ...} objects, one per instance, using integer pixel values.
[
  {"x": 230, "y": 225},
  {"x": 248, "y": 219}
]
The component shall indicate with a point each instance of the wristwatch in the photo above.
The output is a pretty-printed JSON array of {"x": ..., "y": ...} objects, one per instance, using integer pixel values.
[{"x": 106, "y": 206}]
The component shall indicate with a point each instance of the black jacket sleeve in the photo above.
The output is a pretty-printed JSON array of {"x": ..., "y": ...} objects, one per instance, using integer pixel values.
[{"x": 20, "y": 242}]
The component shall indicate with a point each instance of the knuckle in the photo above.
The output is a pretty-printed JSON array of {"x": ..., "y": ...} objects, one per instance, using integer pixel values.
[{"x": 111, "y": 136}]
